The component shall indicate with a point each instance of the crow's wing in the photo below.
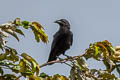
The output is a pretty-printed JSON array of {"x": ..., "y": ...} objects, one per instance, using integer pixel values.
[{"x": 55, "y": 44}]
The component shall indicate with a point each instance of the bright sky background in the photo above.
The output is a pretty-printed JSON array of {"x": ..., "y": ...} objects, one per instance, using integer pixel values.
[{"x": 91, "y": 21}]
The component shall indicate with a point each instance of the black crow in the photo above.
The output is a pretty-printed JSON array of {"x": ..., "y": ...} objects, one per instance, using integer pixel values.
[{"x": 62, "y": 40}]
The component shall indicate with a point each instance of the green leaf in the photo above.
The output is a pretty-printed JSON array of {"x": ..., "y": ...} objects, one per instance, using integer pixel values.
[
  {"x": 112, "y": 50},
  {"x": 19, "y": 32},
  {"x": 27, "y": 57},
  {"x": 2, "y": 57},
  {"x": 34, "y": 65},
  {"x": 22, "y": 65},
  {"x": 59, "y": 77},
  {"x": 43, "y": 75},
  {"x": 109, "y": 46},
  {"x": 36, "y": 34},
  {"x": 25, "y": 68},
  {"x": 25, "y": 24},
  {"x": 13, "y": 51},
  {"x": 12, "y": 55}
]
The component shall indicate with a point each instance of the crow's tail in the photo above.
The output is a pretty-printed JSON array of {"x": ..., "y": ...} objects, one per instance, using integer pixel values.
[{"x": 52, "y": 57}]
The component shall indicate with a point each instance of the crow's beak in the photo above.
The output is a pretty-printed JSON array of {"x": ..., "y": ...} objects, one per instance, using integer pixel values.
[{"x": 58, "y": 21}]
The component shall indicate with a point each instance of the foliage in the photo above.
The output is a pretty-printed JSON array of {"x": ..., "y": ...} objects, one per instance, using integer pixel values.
[
  {"x": 101, "y": 51},
  {"x": 24, "y": 65}
]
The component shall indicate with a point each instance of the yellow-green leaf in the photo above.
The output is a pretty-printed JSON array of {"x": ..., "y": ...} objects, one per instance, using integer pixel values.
[
  {"x": 96, "y": 51},
  {"x": 38, "y": 32},
  {"x": 27, "y": 57},
  {"x": 37, "y": 25},
  {"x": 34, "y": 64},
  {"x": 22, "y": 65}
]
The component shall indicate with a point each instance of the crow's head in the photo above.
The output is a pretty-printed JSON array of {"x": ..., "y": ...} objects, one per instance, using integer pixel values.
[{"x": 63, "y": 23}]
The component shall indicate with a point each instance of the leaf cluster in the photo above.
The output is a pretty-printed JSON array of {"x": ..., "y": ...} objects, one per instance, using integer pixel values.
[
  {"x": 20, "y": 64},
  {"x": 101, "y": 51}
]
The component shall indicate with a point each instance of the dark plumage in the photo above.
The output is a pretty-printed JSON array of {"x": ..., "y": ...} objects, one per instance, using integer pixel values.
[{"x": 62, "y": 40}]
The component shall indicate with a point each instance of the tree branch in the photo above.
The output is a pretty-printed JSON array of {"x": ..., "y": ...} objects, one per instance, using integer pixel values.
[{"x": 60, "y": 61}]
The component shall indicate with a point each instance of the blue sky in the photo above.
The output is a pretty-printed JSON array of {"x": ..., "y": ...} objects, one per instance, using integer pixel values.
[{"x": 91, "y": 21}]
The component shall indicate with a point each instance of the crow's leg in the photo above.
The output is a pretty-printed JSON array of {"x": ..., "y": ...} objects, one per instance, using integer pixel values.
[
  {"x": 67, "y": 56},
  {"x": 59, "y": 58},
  {"x": 63, "y": 62}
]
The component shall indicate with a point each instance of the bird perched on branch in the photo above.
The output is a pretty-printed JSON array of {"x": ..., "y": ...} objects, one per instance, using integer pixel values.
[{"x": 62, "y": 40}]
